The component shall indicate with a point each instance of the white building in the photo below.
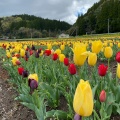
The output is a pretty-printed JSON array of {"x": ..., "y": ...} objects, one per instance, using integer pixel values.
[{"x": 63, "y": 35}]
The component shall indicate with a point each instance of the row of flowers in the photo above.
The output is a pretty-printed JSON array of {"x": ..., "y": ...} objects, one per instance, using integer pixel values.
[{"x": 50, "y": 70}]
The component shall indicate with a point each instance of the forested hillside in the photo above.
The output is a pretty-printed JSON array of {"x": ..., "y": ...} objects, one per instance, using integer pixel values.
[
  {"x": 26, "y": 26},
  {"x": 104, "y": 14}
]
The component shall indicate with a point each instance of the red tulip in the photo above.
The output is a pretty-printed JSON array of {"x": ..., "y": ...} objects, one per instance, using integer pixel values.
[
  {"x": 20, "y": 70},
  {"x": 47, "y": 52},
  {"x": 102, "y": 69},
  {"x": 118, "y": 57},
  {"x": 55, "y": 56},
  {"x": 66, "y": 61},
  {"x": 102, "y": 96},
  {"x": 72, "y": 69}
]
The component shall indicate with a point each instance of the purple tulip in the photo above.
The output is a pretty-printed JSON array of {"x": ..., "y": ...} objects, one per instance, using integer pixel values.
[{"x": 77, "y": 117}]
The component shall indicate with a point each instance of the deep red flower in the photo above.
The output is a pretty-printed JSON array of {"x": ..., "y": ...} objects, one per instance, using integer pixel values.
[
  {"x": 20, "y": 70},
  {"x": 118, "y": 57},
  {"x": 17, "y": 55},
  {"x": 72, "y": 69},
  {"x": 47, "y": 52},
  {"x": 102, "y": 69},
  {"x": 33, "y": 84},
  {"x": 102, "y": 96},
  {"x": 66, "y": 61},
  {"x": 25, "y": 73},
  {"x": 55, "y": 56}
]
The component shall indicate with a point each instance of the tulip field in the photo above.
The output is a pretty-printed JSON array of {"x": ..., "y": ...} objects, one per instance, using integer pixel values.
[{"x": 63, "y": 80}]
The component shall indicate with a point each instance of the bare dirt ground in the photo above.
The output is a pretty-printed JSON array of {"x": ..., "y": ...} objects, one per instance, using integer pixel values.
[{"x": 9, "y": 108}]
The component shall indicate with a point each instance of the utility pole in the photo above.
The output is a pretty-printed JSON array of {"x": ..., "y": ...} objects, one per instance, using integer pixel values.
[
  {"x": 108, "y": 26},
  {"x": 76, "y": 31}
]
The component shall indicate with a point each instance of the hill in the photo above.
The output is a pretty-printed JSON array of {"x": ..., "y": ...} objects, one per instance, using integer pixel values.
[
  {"x": 26, "y": 26},
  {"x": 102, "y": 17}
]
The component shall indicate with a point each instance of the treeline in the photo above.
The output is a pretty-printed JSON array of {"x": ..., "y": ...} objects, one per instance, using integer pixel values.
[
  {"x": 101, "y": 15},
  {"x": 26, "y": 26}
]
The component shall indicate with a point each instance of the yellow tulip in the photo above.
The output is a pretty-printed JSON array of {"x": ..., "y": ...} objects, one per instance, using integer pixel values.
[
  {"x": 80, "y": 54},
  {"x": 111, "y": 44},
  {"x": 92, "y": 59},
  {"x": 108, "y": 52},
  {"x": 58, "y": 51},
  {"x": 62, "y": 47},
  {"x": 118, "y": 70},
  {"x": 61, "y": 57},
  {"x": 8, "y": 54},
  {"x": 118, "y": 45},
  {"x": 83, "y": 99},
  {"x": 49, "y": 46},
  {"x": 22, "y": 52},
  {"x": 33, "y": 76},
  {"x": 14, "y": 59},
  {"x": 96, "y": 46}
]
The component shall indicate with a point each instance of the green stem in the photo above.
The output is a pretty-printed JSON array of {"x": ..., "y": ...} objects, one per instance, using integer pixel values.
[{"x": 96, "y": 114}]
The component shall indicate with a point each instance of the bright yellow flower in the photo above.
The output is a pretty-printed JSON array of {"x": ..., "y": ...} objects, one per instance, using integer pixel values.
[
  {"x": 96, "y": 46},
  {"x": 58, "y": 51},
  {"x": 118, "y": 45},
  {"x": 62, "y": 47},
  {"x": 118, "y": 70},
  {"x": 49, "y": 46},
  {"x": 83, "y": 99},
  {"x": 22, "y": 52},
  {"x": 108, "y": 52},
  {"x": 41, "y": 53},
  {"x": 8, "y": 54},
  {"x": 33, "y": 76},
  {"x": 61, "y": 57},
  {"x": 14, "y": 59},
  {"x": 92, "y": 59},
  {"x": 80, "y": 54},
  {"x": 111, "y": 44}
]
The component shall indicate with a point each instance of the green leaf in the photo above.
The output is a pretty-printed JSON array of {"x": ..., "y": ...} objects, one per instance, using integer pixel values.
[
  {"x": 94, "y": 90},
  {"x": 57, "y": 114},
  {"x": 29, "y": 105}
]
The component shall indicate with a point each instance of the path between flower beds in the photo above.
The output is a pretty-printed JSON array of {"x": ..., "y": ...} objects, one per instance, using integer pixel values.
[{"x": 9, "y": 108}]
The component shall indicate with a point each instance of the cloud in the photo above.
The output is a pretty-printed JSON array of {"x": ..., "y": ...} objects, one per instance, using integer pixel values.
[{"x": 64, "y": 10}]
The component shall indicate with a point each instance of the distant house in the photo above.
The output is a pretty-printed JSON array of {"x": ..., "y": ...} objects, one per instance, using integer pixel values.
[{"x": 63, "y": 35}]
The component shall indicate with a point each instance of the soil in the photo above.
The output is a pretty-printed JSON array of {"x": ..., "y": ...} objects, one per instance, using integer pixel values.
[
  {"x": 13, "y": 110},
  {"x": 9, "y": 108}
]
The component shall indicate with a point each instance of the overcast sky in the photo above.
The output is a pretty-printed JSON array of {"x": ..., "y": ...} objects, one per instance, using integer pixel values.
[{"x": 63, "y": 10}]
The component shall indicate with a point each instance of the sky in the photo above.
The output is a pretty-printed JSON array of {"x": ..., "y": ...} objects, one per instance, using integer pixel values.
[{"x": 63, "y": 10}]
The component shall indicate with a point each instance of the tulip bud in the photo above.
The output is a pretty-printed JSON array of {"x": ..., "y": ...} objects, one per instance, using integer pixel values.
[
  {"x": 108, "y": 52},
  {"x": 102, "y": 96},
  {"x": 66, "y": 61},
  {"x": 72, "y": 69},
  {"x": 55, "y": 56},
  {"x": 118, "y": 57},
  {"x": 102, "y": 69},
  {"x": 33, "y": 84},
  {"x": 20, "y": 70},
  {"x": 77, "y": 117},
  {"x": 47, "y": 52},
  {"x": 18, "y": 62},
  {"x": 33, "y": 47},
  {"x": 61, "y": 57},
  {"x": 25, "y": 73}
]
